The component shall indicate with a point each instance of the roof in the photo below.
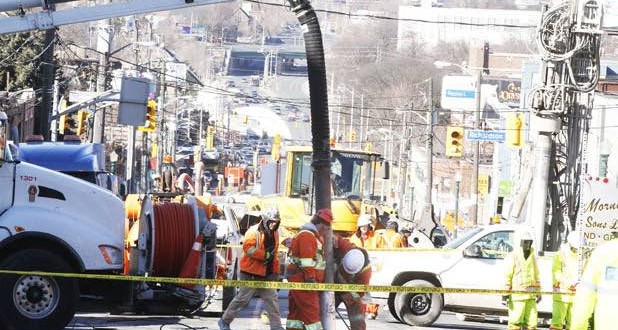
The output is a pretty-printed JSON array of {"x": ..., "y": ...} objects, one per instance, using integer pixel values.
[{"x": 64, "y": 157}]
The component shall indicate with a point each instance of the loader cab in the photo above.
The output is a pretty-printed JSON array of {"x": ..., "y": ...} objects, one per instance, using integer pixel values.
[{"x": 352, "y": 174}]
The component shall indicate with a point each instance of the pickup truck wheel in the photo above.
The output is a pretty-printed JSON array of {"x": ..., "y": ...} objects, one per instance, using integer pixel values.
[
  {"x": 36, "y": 302},
  {"x": 391, "y": 306},
  {"x": 419, "y": 309}
]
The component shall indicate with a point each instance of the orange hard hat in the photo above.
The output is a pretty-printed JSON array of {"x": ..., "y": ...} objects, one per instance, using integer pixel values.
[
  {"x": 167, "y": 159},
  {"x": 326, "y": 215}
]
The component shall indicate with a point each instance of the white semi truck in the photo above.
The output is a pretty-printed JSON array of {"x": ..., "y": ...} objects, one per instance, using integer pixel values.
[{"x": 53, "y": 222}]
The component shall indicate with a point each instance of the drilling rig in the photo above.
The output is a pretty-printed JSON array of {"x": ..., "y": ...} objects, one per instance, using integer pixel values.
[{"x": 569, "y": 39}]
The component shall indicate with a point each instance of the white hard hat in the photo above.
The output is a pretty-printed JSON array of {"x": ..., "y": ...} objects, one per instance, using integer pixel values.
[
  {"x": 363, "y": 219},
  {"x": 272, "y": 214},
  {"x": 573, "y": 239},
  {"x": 353, "y": 261},
  {"x": 523, "y": 235}
]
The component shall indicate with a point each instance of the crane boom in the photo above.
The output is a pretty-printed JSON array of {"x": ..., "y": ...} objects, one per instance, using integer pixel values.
[{"x": 48, "y": 19}]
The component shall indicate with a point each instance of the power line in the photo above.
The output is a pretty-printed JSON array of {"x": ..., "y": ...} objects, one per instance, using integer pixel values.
[{"x": 389, "y": 18}]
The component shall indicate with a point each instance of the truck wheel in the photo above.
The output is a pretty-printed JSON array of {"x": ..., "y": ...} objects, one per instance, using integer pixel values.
[
  {"x": 419, "y": 309},
  {"x": 36, "y": 302},
  {"x": 391, "y": 306},
  {"x": 229, "y": 292}
]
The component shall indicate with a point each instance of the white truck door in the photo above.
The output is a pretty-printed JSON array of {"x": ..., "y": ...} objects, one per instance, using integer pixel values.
[
  {"x": 482, "y": 267},
  {"x": 6, "y": 182}
]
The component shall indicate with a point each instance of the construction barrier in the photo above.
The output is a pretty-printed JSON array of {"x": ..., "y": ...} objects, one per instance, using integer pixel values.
[
  {"x": 366, "y": 249},
  {"x": 284, "y": 285}
]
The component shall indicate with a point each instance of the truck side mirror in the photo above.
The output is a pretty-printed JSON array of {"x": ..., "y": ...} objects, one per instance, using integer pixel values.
[
  {"x": 3, "y": 136},
  {"x": 472, "y": 251}
]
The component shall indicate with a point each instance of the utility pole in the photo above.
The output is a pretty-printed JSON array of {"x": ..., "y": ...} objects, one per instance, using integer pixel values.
[
  {"x": 104, "y": 45},
  {"x": 426, "y": 221},
  {"x": 42, "y": 114},
  {"x": 475, "y": 173}
]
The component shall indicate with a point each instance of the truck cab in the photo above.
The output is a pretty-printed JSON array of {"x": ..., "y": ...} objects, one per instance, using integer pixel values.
[
  {"x": 48, "y": 222},
  {"x": 84, "y": 161}
]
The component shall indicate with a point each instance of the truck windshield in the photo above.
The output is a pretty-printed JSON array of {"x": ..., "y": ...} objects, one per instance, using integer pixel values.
[
  {"x": 461, "y": 239},
  {"x": 350, "y": 175}
]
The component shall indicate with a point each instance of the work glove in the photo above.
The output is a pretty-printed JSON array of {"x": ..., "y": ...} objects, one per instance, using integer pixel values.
[
  {"x": 269, "y": 256},
  {"x": 538, "y": 298},
  {"x": 505, "y": 300}
]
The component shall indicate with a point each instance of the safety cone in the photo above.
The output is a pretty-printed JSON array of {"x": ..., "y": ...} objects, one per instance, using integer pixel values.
[{"x": 189, "y": 270}]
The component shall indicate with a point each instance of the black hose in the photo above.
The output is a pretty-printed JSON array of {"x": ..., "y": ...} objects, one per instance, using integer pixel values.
[{"x": 318, "y": 96}]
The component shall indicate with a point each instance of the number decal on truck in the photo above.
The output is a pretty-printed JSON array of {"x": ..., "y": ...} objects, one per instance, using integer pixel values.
[{"x": 27, "y": 178}]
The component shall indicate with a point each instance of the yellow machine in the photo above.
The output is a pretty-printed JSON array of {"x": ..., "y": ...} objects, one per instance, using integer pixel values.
[{"x": 291, "y": 187}]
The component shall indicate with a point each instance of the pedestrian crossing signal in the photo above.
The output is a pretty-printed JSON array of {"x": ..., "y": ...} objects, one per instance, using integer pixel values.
[{"x": 454, "y": 141}]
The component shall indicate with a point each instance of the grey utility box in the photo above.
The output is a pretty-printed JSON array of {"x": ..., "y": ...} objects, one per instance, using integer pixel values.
[{"x": 133, "y": 99}]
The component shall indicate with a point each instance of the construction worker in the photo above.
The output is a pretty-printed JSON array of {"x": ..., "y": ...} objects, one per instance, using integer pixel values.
[
  {"x": 365, "y": 236},
  {"x": 352, "y": 268},
  {"x": 564, "y": 278},
  {"x": 306, "y": 264},
  {"x": 597, "y": 293},
  {"x": 258, "y": 262},
  {"x": 391, "y": 238},
  {"x": 522, "y": 274}
]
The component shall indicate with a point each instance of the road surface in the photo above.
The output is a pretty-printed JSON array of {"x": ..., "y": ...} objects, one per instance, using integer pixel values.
[{"x": 250, "y": 320}]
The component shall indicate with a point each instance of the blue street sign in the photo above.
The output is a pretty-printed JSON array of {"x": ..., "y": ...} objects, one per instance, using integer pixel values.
[
  {"x": 480, "y": 135},
  {"x": 460, "y": 93}
]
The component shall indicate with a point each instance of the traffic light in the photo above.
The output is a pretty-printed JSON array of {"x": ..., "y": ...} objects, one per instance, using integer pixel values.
[
  {"x": 82, "y": 122},
  {"x": 353, "y": 136},
  {"x": 454, "y": 141},
  {"x": 210, "y": 138},
  {"x": 151, "y": 117},
  {"x": 62, "y": 124},
  {"x": 514, "y": 124}
]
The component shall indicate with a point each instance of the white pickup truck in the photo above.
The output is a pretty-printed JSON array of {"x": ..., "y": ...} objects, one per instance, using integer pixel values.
[{"x": 473, "y": 260}]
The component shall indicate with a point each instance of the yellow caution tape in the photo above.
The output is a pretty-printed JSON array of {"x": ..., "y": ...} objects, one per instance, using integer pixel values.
[
  {"x": 235, "y": 246},
  {"x": 283, "y": 285}
]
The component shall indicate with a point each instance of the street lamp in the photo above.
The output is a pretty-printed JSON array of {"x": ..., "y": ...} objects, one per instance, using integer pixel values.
[{"x": 477, "y": 124}]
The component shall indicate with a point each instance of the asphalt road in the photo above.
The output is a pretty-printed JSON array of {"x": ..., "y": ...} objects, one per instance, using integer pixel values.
[{"x": 250, "y": 320}]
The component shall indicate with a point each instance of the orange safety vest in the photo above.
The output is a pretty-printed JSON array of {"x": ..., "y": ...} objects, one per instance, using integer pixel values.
[
  {"x": 306, "y": 258},
  {"x": 371, "y": 242},
  {"x": 253, "y": 257}
]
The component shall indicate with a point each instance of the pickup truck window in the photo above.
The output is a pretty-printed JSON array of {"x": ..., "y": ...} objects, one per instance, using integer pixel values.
[
  {"x": 495, "y": 245},
  {"x": 463, "y": 238}
]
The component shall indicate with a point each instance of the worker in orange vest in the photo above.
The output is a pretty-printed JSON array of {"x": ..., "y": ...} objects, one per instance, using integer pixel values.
[
  {"x": 365, "y": 236},
  {"x": 393, "y": 239},
  {"x": 306, "y": 263},
  {"x": 352, "y": 268},
  {"x": 258, "y": 262}
]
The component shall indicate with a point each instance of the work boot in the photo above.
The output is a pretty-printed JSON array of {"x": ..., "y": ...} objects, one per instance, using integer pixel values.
[{"x": 223, "y": 325}]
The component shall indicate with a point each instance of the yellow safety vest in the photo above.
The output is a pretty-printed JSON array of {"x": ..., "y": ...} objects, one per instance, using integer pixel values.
[
  {"x": 522, "y": 274},
  {"x": 597, "y": 292},
  {"x": 564, "y": 272}
]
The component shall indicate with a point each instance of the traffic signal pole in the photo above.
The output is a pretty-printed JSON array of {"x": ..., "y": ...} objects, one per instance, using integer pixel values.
[{"x": 475, "y": 173}]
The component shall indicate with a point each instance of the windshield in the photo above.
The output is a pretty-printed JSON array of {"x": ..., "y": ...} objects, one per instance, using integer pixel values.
[
  {"x": 461, "y": 239},
  {"x": 301, "y": 174},
  {"x": 351, "y": 175}
]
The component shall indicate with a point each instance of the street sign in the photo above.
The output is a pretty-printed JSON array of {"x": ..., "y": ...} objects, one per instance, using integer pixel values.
[{"x": 481, "y": 135}]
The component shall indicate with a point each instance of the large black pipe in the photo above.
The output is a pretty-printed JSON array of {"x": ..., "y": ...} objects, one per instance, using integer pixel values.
[
  {"x": 320, "y": 131},
  {"x": 318, "y": 96}
]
